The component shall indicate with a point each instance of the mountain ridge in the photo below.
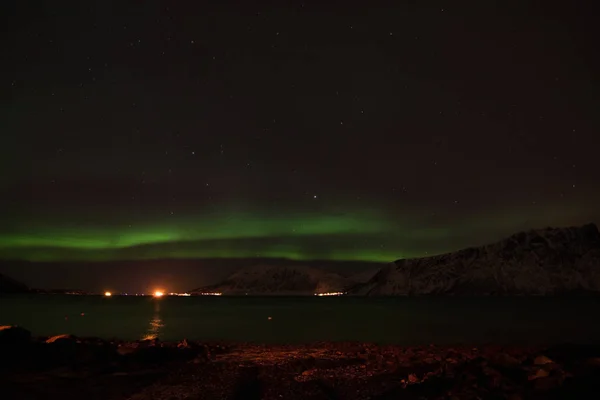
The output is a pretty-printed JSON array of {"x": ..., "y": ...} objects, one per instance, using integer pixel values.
[
  {"x": 10, "y": 285},
  {"x": 279, "y": 280},
  {"x": 535, "y": 262},
  {"x": 139, "y": 276}
]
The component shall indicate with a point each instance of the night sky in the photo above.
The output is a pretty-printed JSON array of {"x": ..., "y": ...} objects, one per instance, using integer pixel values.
[{"x": 161, "y": 129}]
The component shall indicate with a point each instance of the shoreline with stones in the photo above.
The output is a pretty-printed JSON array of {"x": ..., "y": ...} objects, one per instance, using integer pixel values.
[{"x": 69, "y": 367}]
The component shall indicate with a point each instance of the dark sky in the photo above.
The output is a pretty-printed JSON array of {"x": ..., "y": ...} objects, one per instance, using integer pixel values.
[{"x": 157, "y": 129}]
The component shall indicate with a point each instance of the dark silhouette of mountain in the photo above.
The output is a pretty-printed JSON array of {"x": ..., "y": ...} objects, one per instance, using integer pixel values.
[
  {"x": 60, "y": 291},
  {"x": 9, "y": 285},
  {"x": 267, "y": 279},
  {"x": 537, "y": 262},
  {"x": 139, "y": 276}
]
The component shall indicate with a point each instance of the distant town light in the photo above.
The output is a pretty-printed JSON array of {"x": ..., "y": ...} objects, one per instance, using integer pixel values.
[
  {"x": 107, "y": 294},
  {"x": 330, "y": 294}
]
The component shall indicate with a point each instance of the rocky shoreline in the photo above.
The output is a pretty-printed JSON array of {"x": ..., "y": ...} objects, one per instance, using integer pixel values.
[{"x": 69, "y": 367}]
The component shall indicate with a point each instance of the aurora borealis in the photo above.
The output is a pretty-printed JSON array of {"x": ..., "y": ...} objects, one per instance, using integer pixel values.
[
  {"x": 151, "y": 131},
  {"x": 229, "y": 235},
  {"x": 356, "y": 236}
]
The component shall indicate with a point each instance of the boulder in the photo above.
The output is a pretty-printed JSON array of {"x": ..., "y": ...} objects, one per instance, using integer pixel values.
[
  {"x": 67, "y": 349},
  {"x": 538, "y": 373},
  {"x": 547, "y": 383},
  {"x": 64, "y": 338},
  {"x": 124, "y": 349},
  {"x": 11, "y": 336},
  {"x": 542, "y": 360},
  {"x": 593, "y": 362},
  {"x": 15, "y": 346},
  {"x": 505, "y": 360}
]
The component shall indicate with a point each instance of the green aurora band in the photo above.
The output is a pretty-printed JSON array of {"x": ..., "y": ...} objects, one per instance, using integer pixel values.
[
  {"x": 235, "y": 227},
  {"x": 351, "y": 236},
  {"x": 234, "y": 235}
]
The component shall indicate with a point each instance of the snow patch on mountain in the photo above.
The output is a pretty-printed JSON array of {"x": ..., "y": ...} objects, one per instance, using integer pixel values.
[
  {"x": 279, "y": 280},
  {"x": 537, "y": 262}
]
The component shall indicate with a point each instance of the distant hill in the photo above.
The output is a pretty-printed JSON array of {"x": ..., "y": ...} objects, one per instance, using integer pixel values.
[
  {"x": 279, "y": 280},
  {"x": 60, "y": 291},
  {"x": 537, "y": 262},
  {"x": 139, "y": 276},
  {"x": 9, "y": 285}
]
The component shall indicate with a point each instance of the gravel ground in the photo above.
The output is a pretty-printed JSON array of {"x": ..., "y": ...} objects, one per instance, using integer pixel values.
[{"x": 79, "y": 368}]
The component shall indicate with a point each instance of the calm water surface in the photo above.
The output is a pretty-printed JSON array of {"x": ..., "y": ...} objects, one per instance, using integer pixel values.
[{"x": 305, "y": 319}]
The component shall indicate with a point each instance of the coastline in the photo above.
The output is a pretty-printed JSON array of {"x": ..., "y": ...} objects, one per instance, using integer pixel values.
[{"x": 69, "y": 367}]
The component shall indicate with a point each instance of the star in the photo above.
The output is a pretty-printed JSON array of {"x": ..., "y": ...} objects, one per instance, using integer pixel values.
[{"x": 292, "y": 110}]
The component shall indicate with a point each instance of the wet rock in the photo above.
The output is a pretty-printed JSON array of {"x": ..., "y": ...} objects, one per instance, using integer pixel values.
[
  {"x": 324, "y": 371},
  {"x": 547, "y": 383},
  {"x": 125, "y": 350},
  {"x": 542, "y": 360},
  {"x": 148, "y": 343},
  {"x": 61, "y": 338},
  {"x": 16, "y": 346},
  {"x": 61, "y": 346},
  {"x": 593, "y": 362},
  {"x": 68, "y": 350},
  {"x": 538, "y": 373},
  {"x": 505, "y": 360},
  {"x": 96, "y": 354},
  {"x": 494, "y": 377},
  {"x": 152, "y": 355},
  {"x": 305, "y": 376},
  {"x": 14, "y": 336},
  {"x": 572, "y": 353}
]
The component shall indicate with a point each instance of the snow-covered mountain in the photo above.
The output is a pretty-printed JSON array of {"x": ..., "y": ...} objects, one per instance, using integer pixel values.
[
  {"x": 537, "y": 262},
  {"x": 279, "y": 280},
  {"x": 9, "y": 285},
  {"x": 364, "y": 276}
]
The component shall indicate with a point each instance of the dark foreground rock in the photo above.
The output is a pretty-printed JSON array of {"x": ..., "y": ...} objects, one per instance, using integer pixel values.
[{"x": 87, "y": 368}]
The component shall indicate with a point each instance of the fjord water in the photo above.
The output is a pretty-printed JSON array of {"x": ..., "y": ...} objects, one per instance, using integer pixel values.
[{"x": 450, "y": 320}]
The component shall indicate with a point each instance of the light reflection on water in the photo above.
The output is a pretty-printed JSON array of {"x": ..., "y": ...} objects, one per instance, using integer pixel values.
[
  {"x": 156, "y": 324},
  {"x": 308, "y": 319}
]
